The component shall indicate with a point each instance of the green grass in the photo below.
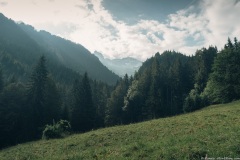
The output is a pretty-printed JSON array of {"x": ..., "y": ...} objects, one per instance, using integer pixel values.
[{"x": 214, "y": 131}]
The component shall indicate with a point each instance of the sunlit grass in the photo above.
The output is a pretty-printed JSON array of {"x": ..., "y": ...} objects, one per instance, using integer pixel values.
[{"x": 213, "y": 131}]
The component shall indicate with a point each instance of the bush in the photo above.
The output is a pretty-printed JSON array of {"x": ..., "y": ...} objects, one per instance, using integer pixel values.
[
  {"x": 193, "y": 101},
  {"x": 58, "y": 130}
]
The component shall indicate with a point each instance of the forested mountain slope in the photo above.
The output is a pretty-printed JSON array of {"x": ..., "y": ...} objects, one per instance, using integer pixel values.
[
  {"x": 21, "y": 45},
  {"x": 36, "y": 88}
]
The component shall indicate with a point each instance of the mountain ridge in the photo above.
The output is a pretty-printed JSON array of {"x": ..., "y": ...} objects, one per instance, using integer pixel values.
[
  {"x": 120, "y": 66},
  {"x": 71, "y": 54},
  {"x": 24, "y": 44}
]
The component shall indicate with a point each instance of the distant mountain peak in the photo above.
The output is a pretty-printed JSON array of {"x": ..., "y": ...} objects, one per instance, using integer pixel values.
[
  {"x": 120, "y": 66},
  {"x": 98, "y": 54}
]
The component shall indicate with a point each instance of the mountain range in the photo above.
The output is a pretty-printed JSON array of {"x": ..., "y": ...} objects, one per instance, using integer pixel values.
[{"x": 122, "y": 66}]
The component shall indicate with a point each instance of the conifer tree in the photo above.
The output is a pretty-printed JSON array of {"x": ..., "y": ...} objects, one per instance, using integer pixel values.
[
  {"x": 114, "y": 111},
  {"x": 175, "y": 88},
  {"x": 89, "y": 108},
  {"x": 154, "y": 99},
  {"x": 1, "y": 79},
  {"x": 76, "y": 106},
  {"x": 83, "y": 113},
  {"x": 203, "y": 64},
  {"x": 53, "y": 102},
  {"x": 37, "y": 94},
  {"x": 13, "y": 128},
  {"x": 135, "y": 107},
  {"x": 100, "y": 96},
  {"x": 224, "y": 83}
]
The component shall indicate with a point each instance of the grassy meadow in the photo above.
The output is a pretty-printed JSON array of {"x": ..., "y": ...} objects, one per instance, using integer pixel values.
[{"x": 213, "y": 131}]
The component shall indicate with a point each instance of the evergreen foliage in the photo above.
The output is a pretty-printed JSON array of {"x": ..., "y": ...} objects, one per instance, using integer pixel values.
[
  {"x": 114, "y": 112},
  {"x": 166, "y": 84},
  {"x": 224, "y": 82},
  {"x": 37, "y": 93},
  {"x": 83, "y": 113},
  {"x": 53, "y": 101},
  {"x": 101, "y": 93},
  {"x": 203, "y": 64},
  {"x": 158, "y": 88},
  {"x": 13, "y": 115},
  {"x": 1, "y": 79}
]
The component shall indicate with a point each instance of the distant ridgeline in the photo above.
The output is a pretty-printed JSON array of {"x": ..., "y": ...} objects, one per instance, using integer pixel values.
[
  {"x": 120, "y": 66},
  {"x": 43, "y": 79}
]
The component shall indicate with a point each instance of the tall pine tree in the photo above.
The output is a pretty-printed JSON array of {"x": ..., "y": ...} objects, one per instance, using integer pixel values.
[
  {"x": 37, "y": 95},
  {"x": 154, "y": 100},
  {"x": 53, "y": 101},
  {"x": 114, "y": 111},
  {"x": 1, "y": 79},
  {"x": 83, "y": 111},
  {"x": 89, "y": 108},
  {"x": 13, "y": 124}
]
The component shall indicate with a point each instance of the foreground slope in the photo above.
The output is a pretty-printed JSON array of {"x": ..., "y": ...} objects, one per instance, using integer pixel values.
[{"x": 214, "y": 131}]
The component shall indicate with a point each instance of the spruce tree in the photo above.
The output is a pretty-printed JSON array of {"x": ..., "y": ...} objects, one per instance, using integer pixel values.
[
  {"x": 76, "y": 106},
  {"x": 52, "y": 102},
  {"x": 13, "y": 125},
  {"x": 83, "y": 111},
  {"x": 135, "y": 107},
  {"x": 154, "y": 99},
  {"x": 88, "y": 107},
  {"x": 100, "y": 96},
  {"x": 114, "y": 111},
  {"x": 37, "y": 94},
  {"x": 1, "y": 79}
]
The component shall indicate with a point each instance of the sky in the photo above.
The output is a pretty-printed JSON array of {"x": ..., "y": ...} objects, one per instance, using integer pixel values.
[{"x": 132, "y": 28}]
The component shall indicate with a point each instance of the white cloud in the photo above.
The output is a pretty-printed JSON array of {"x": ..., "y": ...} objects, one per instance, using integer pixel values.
[
  {"x": 213, "y": 24},
  {"x": 3, "y": 3},
  {"x": 222, "y": 21},
  {"x": 87, "y": 22}
]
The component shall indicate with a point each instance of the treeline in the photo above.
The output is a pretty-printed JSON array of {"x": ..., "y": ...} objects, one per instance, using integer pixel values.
[
  {"x": 167, "y": 84},
  {"x": 160, "y": 87},
  {"x": 172, "y": 83}
]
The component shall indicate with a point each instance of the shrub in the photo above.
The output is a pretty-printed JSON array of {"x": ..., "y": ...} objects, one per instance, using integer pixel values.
[{"x": 58, "y": 130}]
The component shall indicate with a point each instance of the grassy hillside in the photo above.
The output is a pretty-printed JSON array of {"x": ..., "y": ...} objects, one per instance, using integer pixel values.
[{"x": 214, "y": 131}]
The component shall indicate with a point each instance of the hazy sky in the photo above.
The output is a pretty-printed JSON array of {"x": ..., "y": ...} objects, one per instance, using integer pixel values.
[{"x": 136, "y": 28}]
